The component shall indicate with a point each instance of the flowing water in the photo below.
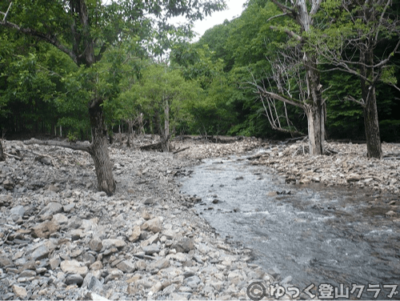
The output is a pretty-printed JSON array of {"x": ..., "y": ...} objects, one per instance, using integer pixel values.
[{"x": 315, "y": 234}]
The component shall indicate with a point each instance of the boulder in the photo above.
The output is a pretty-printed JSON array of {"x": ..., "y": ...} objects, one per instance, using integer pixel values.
[{"x": 74, "y": 267}]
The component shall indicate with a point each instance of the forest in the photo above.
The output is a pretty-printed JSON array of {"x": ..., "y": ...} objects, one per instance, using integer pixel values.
[{"x": 80, "y": 69}]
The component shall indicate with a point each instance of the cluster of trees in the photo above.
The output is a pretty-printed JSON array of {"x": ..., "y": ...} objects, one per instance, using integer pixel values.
[{"x": 83, "y": 68}]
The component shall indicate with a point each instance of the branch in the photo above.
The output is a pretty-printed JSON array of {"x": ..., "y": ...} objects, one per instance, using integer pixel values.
[
  {"x": 315, "y": 7},
  {"x": 360, "y": 102},
  {"x": 277, "y": 16},
  {"x": 42, "y": 36},
  {"x": 72, "y": 145},
  {"x": 289, "y": 32},
  {"x": 284, "y": 8},
  {"x": 6, "y": 13}
]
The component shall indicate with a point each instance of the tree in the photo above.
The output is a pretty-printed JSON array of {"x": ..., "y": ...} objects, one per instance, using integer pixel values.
[
  {"x": 84, "y": 30},
  {"x": 161, "y": 93},
  {"x": 303, "y": 12},
  {"x": 357, "y": 31}
]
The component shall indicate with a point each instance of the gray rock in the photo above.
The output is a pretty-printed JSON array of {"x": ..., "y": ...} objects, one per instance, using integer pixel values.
[
  {"x": 92, "y": 283},
  {"x": 8, "y": 184},
  {"x": 185, "y": 245},
  {"x": 135, "y": 234},
  {"x": 74, "y": 267},
  {"x": 40, "y": 253},
  {"x": 150, "y": 250},
  {"x": 55, "y": 262},
  {"x": 158, "y": 264},
  {"x": 117, "y": 243},
  {"x": 154, "y": 225},
  {"x": 60, "y": 218},
  {"x": 17, "y": 211},
  {"x": 68, "y": 208},
  {"x": 95, "y": 244},
  {"x": 74, "y": 279},
  {"x": 181, "y": 296},
  {"x": 27, "y": 273},
  {"x": 193, "y": 281},
  {"x": 126, "y": 266},
  {"x": 5, "y": 261},
  {"x": 51, "y": 209}
]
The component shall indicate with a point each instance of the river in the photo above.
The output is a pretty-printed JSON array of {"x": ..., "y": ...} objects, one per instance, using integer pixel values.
[{"x": 312, "y": 233}]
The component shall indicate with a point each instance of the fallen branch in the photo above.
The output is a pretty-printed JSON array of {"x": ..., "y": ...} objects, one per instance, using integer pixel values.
[
  {"x": 15, "y": 157},
  {"x": 181, "y": 150},
  {"x": 154, "y": 146},
  {"x": 72, "y": 145}
]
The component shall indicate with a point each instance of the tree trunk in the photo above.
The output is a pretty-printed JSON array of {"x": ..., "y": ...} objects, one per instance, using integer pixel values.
[
  {"x": 315, "y": 131},
  {"x": 99, "y": 150},
  {"x": 2, "y": 154},
  {"x": 130, "y": 126},
  {"x": 371, "y": 123},
  {"x": 165, "y": 138},
  {"x": 315, "y": 114}
]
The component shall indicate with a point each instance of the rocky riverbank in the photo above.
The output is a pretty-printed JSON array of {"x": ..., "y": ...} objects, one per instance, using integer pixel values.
[
  {"x": 61, "y": 239},
  {"x": 347, "y": 165}
]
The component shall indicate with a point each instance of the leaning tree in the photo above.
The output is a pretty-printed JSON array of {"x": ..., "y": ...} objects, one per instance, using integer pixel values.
[
  {"x": 303, "y": 12},
  {"x": 84, "y": 30}
]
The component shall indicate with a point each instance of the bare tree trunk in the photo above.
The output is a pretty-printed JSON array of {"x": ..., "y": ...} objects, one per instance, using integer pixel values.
[
  {"x": 2, "y": 154},
  {"x": 99, "y": 150},
  {"x": 315, "y": 115},
  {"x": 371, "y": 123},
  {"x": 166, "y": 127},
  {"x": 130, "y": 126},
  {"x": 370, "y": 111}
]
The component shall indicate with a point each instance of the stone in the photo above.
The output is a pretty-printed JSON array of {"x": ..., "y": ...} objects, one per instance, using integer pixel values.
[
  {"x": 45, "y": 229},
  {"x": 68, "y": 208},
  {"x": 74, "y": 267},
  {"x": 135, "y": 234},
  {"x": 154, "y": 225},
  {"x": 17, "y": 211},
  {"x": 185, "y": 245},
  {"x": 126, "y": 266},
  {"x": 116, "y": 243},
  {"x": 96, "y": 297},
  {"x": 141, "y": 265},
  {"x": 92, "y": 283},
  {"x": 158, "y": 264},
  {"x": 150, "y": 250},
  {"x": 40, "y": 253},
  {"x": 60, "y": 218},
  {"x": 353, "y": 177},
  {"x": 175, "y": 296},
  {"x": 95, "y": 244},
  {"x": 73, "y": 279},
  {"x": 193, "y": 281},
  {"x": 217, "y": 285},
  {"x": 5, "y": 261},
  {"x": 20, "y": 292},
  {"x": 234, "y": 277},
  {"x": 97, "y": 265},
  {"x": 55, "y": 262},
  {"x": 8, "y": 184},
  {"x": 51, "y": 209}
]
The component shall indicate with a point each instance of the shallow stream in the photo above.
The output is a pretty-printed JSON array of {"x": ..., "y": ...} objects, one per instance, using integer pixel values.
[{"x": 315, "y": 234}]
